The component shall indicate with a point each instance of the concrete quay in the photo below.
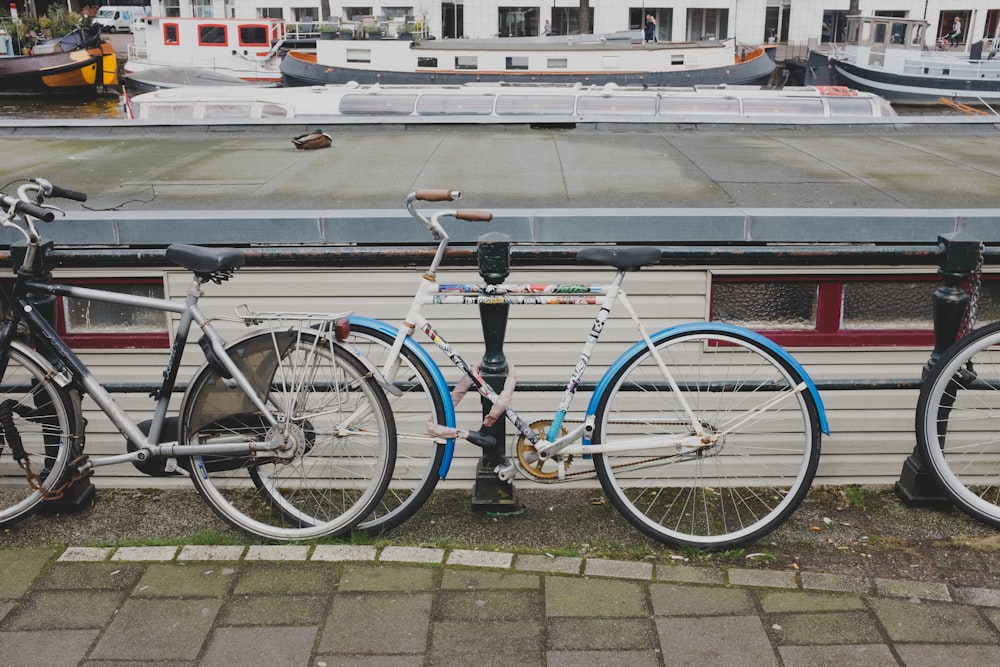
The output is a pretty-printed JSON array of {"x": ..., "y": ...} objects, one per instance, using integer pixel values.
[{"x": 360, "y": 605}]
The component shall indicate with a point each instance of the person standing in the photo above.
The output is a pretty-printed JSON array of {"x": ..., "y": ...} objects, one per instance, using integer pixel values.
[
  {"x": 547, "y": 28},
  {"x": 956, "y": 31},
  {"x": 650, "y": 29}
]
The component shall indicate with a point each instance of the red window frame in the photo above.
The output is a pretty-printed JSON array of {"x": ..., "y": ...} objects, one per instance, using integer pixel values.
[
  {"x": 828, "y": 331},
  {"x": 111, "y": 340},
  {"x": 175, "y": 28},
  {"x": 263, "y": 26},
  {"x": 224, "y": 43}
]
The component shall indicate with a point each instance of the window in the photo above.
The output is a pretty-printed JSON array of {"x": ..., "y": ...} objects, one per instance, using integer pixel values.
[
  {"x": 517, "y": 62},
  {"x": 359, "y": 55},
  {"x": 355, "y": 13},
  {"x": 834, "y": 27},
  {"x": 426, "y": 61},
  {"x": 557, "y": 63},
  {"x": 566, "y": 20},
  {"x": 172, "y": 8},
  {"x": 518, "y": 21},
  {"x": 254, "y": 35},
  {"x": 212, "y": 35},
  {"x": 663, "y": 16},
  {"x": 466, "y": 62},
  {"x": 832, "y": 311},
  {"x": 201, "y": 9},
  {"x": 397, "y": 12},
  {"x": 270, "y": 13},
  {"x": 171, "y": 33},
  {"x": 96, "y": 324},
  {"x": 708, "y": 24}
]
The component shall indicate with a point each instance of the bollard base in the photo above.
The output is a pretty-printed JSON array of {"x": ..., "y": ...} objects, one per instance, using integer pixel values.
[
  {"x": 80, "y": 497},
  {"x": 491, "y": 495},
  {"x": 917, "y": 488}
]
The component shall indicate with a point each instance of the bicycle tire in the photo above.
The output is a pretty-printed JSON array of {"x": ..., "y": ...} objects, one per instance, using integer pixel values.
[
  {"x": 418, "y": 465},
  {"x": 957, "y": 419},
  {"x": 334, "y": 478},
  {"x": 35, "y": 414},
  {"x": 719, "y": 496}
]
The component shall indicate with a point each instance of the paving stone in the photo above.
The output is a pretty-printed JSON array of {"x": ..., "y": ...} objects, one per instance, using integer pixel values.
[
  {"x": 211, "y": 552},
  {"x": 552, "y": 564},
  {"x": 144, "y": 553},
  {"x": 902, "y": 588},
  {"x": 981, "y": 597},
  {"x": 862, "y": 655},
  {"x": 5, "y": 608},
  {"x": 497, "y": 559},
  {"x": 842, "y": 627},
  {"x": 733, "y": 640},
  {"x": 274, "y": 610},
  {"x": 20, "y": 567},
  {"x": 370, "y": 660},
  {"x": 489, "y": 605},
  {"x": 762, "y": 578},
  {"x": 289, "y": 579},
  {"x": 479, "y": 580},
  {"x": 935, "y": 655},
  {"x": 344, "y": 552},
  {"x": 907, "y": 621},
  {"x": 569, "y": 596},
  {"x": 690, "y": 574},
  {"x": 179, "y": 580},
  {"x": 71, "y": 610},
  {"x": 63, "y": 648},
  {"x": 599, "y": 567},
  {"x": 411, "y": 555},
  {"x": 377, "y": 623},
  {"x": 277, "y": 552},
  {"x": 621, "y": 634},
  {"x": 86, "y": 554},
  {"x": 387, "y": 578},
  {"x": 834, "y": 582},
  {"x": 603, "y": 658},
  {"x": 680, "y": 600},
  {"x": 169, "y": 630},
  {"x": 271, "y": 646},
  {"x": 785, "y": 601},
  {"x": 491, "y": 643},
  {"x": 102, "y": 575}
]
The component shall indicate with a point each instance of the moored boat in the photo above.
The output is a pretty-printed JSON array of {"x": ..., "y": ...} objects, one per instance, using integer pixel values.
[
  {"x": 510, "y": 103},
  {"x": 621, "y": 58},
  {"x": 80, "y": 63},
  {"x": 897, "y": 59}
]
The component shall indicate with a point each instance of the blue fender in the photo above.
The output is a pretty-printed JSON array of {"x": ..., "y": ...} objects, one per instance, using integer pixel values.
[
  {"x": 720, "y": 327},
  {"x": 440, "y": 385}
]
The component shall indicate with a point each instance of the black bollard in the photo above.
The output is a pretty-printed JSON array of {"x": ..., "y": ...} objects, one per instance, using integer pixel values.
[
  {"x": 491, "y": 494},
  {"x": 963, "y": 254}
]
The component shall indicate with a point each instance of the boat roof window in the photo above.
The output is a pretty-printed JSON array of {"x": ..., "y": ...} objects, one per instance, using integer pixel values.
[
  {"x": 557, "y": 63},
  {"x": 726, "y": 106},
  {"x": 253, "y": 35},
  {"x": 212, "y": 35},
  {"x": 436, "y": 105},
  {"x": 632, "y": 106},
  {"x": 359, "y": 55},
  {"x": 849, "y": 106},
  {"x": 793, "y": 106},
  {"x": 426, "y": 61},
  {"x": 676, "y": 58},
  {"x": 466, "y": 62},
  {"x": 531, "y": 105},
  {"x": 377, "y": 104},
  {"x": 517, "y": 62}
]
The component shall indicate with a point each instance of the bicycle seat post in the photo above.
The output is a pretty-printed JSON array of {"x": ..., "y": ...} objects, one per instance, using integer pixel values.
[{"x": 492, "y": 494}]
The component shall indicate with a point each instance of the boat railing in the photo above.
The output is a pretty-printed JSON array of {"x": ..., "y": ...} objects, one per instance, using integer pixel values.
[{"x": 136, "y": 52}]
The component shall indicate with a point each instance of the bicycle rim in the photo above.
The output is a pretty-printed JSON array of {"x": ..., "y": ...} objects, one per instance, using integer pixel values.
[
  {"x": 341, "y": 465},
  {"x": 958, "y": 414},
  {"x": 35, "y": 420},
  {"x": 716, "y": 495},
  {"x": 418, "y": 457}
]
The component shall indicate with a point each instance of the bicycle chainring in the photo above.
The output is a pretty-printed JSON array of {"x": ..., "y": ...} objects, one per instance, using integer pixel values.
[{"x": 530, "y": 465}]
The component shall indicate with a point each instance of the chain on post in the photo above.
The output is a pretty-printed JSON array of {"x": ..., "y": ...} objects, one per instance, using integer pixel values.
[{"x": 975, "y": 285}]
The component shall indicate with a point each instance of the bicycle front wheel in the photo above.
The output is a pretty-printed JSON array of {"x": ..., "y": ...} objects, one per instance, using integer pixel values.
[
  {"x": 419, "y": 458},
  {"x": 36, "y": 427},
  {"x": 958, "y": 421},
  {"x": 333, "y": 418},
  {"x": 742, "y": 483}
]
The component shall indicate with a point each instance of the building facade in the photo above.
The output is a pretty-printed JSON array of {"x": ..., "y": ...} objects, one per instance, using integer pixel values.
[{"x": 748, "y": 21}]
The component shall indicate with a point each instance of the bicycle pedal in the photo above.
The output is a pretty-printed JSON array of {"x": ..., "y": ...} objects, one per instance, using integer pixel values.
[{"x": 480, "y": 439}]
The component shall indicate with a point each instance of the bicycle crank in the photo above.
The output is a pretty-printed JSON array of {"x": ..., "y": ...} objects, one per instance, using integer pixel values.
[{"x": 531, "y": 465}]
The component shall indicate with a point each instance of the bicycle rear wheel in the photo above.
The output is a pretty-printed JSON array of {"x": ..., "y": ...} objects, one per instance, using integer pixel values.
[
  {"x": 723, "y": 494},
  {"x": 957, "y": 422},
  {"x": 35, "y": 425},
  {"x": 419, "y": 458},
  {"x": 331, "y": 413}
]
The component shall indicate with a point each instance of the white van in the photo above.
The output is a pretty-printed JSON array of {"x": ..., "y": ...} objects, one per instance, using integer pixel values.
[{"x": 116, "y": 19}]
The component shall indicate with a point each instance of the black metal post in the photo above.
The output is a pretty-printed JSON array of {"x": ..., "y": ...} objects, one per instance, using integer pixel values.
[
  {"x": 916, "y": 487},
  {"x": 81, "y": 494},
  {"x": 491, "y": 494}
]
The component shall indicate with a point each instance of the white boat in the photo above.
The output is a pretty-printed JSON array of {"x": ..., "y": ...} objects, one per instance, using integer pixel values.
[
  {"x": 509, "y": 103},
  {"x": 897, "y": 59},
  {"x": 620, "y": 58},
  {"x": 241, "y": 49}
]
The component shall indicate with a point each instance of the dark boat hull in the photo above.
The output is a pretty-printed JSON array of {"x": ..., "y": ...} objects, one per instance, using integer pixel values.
[
  {"x": 298, "y": 69},
  {"x": 80, "y": 72},
  {"x": 913, "y": 89}
]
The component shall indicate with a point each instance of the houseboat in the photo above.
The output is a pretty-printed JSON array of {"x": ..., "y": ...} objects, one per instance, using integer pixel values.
[
  {"x": 623, "y": 59},
  {"x": 897, "y": 59},
  {"x": 79, "y": 64},
  {"x": 510, "y": 103}
]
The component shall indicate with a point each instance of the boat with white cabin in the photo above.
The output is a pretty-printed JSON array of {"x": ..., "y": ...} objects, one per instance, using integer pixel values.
[
  {"x": 509, "y": 103},
  {"x": 620, "y": 58}
]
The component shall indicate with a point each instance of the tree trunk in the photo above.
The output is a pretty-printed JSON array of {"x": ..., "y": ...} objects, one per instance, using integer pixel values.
[{"x": 584, "y": 19}]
